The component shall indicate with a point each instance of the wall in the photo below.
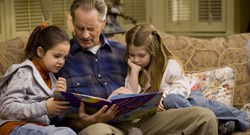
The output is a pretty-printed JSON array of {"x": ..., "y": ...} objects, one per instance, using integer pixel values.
[
  {"x": 242, "y": 16},
  {"x": 237, "y": 19}
]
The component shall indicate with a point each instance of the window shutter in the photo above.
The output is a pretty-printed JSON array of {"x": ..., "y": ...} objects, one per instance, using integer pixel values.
[
  {"x": 58, "y": 12},
  {"x": 136, "y": 9},
  {"x": 210, "y": 15},
  {"x": 26, "y": 15},
  {"x": 195, "y": 15},
  {"x": 179, "y": 15}
]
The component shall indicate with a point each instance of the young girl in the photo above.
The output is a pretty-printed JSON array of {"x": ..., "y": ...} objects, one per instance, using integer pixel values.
[
  {"x": 152, "y": 67},
  {"x": 26, "y": 100}
]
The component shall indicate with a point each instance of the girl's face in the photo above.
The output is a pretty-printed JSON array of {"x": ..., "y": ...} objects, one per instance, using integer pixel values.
[
  {"x": 54, "y": 58},
  {"x": 139, "y": 56}
]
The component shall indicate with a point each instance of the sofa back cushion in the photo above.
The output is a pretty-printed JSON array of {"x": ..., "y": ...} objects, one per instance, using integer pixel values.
[{"x": 12, "y": 52}]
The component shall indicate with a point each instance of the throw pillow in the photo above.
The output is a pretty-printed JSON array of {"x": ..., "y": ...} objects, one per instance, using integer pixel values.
[{"x": 216, "y": 84}]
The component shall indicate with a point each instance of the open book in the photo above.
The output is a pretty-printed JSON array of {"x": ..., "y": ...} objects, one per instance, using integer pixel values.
[{"x": 131, "y": 106}]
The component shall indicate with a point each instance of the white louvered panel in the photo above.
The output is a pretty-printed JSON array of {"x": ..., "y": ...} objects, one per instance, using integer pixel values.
[
  {"x": 58, "y": 12},
  {"x": 179, "y": 10},
  {"x": 136, "y": 9},
  {"x": 36, "y": 15},
  {"x": 179, "y": 15},
  {"x": 210, "y": 16},
  {"x": 210, "y": 11},
  {"x": 27, "y": 14},
  {"x": 21, "y": 15}
]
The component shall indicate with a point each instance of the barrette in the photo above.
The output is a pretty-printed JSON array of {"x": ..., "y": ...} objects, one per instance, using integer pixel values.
[{"x": 44, "y": 25}]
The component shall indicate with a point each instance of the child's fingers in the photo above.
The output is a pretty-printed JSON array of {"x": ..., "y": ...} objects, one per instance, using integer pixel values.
[{"x": 61, "y": 84}]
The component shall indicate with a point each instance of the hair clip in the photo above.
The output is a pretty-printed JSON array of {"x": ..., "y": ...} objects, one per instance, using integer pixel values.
[{"x": 44, "y": 25}]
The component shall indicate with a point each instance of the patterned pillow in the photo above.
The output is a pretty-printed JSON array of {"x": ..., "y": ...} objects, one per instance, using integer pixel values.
[{"x": 217, "y": 84}]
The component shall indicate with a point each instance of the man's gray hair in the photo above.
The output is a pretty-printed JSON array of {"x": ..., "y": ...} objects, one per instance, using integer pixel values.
[{"x": 99, "y": 5}]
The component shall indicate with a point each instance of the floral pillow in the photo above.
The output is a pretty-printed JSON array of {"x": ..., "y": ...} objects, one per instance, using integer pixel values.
[{"x": 217, "y": 84}]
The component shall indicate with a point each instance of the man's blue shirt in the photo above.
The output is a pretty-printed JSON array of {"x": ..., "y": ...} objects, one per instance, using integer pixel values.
[{"x": 95, "y": 74}]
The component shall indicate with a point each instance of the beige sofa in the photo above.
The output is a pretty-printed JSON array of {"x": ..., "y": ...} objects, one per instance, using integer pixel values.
[{"x": 196, "y": 54}]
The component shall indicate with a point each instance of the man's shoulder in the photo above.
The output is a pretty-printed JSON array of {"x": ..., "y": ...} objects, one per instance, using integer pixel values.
[{"x": 115, "y": 44}]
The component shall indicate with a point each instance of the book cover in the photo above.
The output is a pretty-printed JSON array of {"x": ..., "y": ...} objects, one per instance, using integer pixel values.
[{"x": 131, "y": 106}]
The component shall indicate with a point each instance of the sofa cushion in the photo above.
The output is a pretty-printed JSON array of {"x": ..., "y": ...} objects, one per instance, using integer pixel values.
[
  {"x": 216, "y": 84},
  {"x": 12, "y": 51}
]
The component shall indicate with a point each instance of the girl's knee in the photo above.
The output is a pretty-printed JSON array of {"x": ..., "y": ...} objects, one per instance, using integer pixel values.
[{"x": 175, "y": 101}]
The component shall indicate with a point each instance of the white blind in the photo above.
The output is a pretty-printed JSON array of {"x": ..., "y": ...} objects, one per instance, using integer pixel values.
[
  {"x": 195, "y": 15},
  {"x": 179, "y": 10},
  {"x": 136, "y": 9},
  {"x": 27, "y": 14},
  {"x": 59, "y": 9},
  {"x": 210, "y": 11},
  {"x": 179, "y": 15}
]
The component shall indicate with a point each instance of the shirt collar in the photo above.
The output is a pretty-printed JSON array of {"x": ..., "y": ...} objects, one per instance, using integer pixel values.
[{"x": 76, "y": 46}]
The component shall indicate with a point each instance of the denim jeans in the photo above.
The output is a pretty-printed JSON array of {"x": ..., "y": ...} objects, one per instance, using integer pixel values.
[
  {"x": 222, "y": 111},
  {"x": 33, "y": 129}
]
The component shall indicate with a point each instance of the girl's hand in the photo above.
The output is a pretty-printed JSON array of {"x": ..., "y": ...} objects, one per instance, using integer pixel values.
[
  {"x": 196, "y": 86},
  {"x": 61, "y": 84},
  {"x": 161, "y": 107},
  {"x": 56, "y": 107},
  {"x": 121, "y": 90},
  {"x": 134, "y": 67}
]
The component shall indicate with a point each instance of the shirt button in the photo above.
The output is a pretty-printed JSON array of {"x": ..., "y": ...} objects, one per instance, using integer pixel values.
[
  {"x": 77, "y": 84},
  {"x": 96, "y": 60},
  {"x": 105, "y": 83},
  {"x": 99, "y": 75}
]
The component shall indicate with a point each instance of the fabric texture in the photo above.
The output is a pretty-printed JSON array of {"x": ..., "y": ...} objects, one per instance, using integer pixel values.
[
  {"x": 106, "y": 73},
  {"x": 216, "y": 84},
  {"x": 25, "y": 100},
  {"x": 222, "y": 111},
  {"x": 33, "y": 129},
  {"x": 194, "y": 126},
  {"x": 12, "y": 52}
]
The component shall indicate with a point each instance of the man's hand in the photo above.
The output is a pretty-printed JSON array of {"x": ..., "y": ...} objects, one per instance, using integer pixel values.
[{"x": 102, "y": 116}]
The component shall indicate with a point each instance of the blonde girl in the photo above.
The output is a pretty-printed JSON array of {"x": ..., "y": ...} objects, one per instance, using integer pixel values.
[{"x": 152, "y": 67}]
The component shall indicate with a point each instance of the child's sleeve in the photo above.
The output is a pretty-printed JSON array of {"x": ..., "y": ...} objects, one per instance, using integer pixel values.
[{"x": 20, "y": 99}]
